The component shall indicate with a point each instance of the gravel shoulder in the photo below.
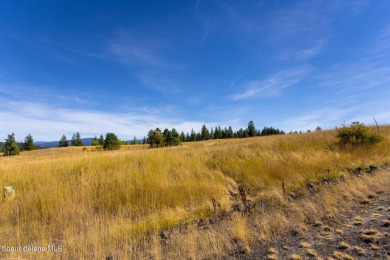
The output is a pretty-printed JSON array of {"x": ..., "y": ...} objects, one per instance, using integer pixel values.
[{"x": 361, "y": 233}]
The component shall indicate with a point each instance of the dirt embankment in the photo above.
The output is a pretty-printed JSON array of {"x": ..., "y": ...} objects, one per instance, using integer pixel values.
[{"x": 363, "y": 232}]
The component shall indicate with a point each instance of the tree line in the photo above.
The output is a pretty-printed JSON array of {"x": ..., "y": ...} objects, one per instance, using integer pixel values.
[
  {"x": 157, "y": 138},
  {"x": 11, "y": 147},
  {"x": 110, "y": 142},
  {"x": 227, "y": 132}
]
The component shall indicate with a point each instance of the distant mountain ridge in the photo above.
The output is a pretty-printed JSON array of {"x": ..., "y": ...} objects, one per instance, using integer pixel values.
[
  {"x": 85, "y": 141},
  {"x": 52, "y": 144}
]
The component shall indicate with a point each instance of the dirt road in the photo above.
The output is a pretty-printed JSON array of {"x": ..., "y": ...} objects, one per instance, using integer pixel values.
[{"x": 361, "y": 233}]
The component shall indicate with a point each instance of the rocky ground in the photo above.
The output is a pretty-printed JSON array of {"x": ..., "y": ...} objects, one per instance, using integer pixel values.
[{"x": 361, "y": 233}]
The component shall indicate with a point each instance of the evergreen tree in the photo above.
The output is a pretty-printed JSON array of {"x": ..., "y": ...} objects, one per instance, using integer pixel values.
[
  {"x": 28, "y": 144},
  {"x": 205, "y": 134},
  {"x": 135, "y": 141},
  {"x": 10, "y": 146},
  {"x": 167, "y": 137},
  {"x": 215, "y": 133},
  {"x": 63, "y": 142},
  {"x": 224, "y": 133},
  {"x": 95, "y": 141},
  {"x": 240, "y": 133},
  {"x": 155, "y": 138},
  {"x": 212, "y": 133},
  {"x": 175, "y": 137},
  {"x": 219, "y": 132},
  {"x": 251, "y": 129},
  {"x": 101, "y": 140},
  {"x": 230, "y": 133},
  {"x": 78, "y": 140},
  {"x": 111, "y": 142},
  {"x": 182, "y": 137},
  {"x": 192, "y": 136},
  {"x": 73, "y": 140}
]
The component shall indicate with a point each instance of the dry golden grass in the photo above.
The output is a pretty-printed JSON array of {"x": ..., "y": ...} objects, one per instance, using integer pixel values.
[
  {"x": 342, "y": 256},
  {"x": 93, "y": 203},
  {"x": 304, "y": 245},
  {"x": 311, "y": 252},
  {"x": 359, "y": 250},
  {"x": 343, "y": 245},
  {"x": 294, "y": 257},
  {"x": 272, "y": 251}
]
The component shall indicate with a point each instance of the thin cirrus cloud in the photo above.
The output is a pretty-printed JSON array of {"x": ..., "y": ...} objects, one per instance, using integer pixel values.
[
  {"x": 368, "y": 70},
  {"x": 58, "y": 121},
  {"x": 338, "y": 113},
  {"x": 313, "y": 51},
  {"x": 138, "y": 49},
  {"x": 272, "y": 85}
]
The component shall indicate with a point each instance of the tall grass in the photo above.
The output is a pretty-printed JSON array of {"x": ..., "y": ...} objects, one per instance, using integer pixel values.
[{"x": 92, "y": 203}]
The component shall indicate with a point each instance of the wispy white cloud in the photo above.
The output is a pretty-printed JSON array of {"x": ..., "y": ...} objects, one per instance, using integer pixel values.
[
  {"x": 356, "y": 89},
  {"x": 273, "y": 84},
  {"x": 327, "y": 117},
  {"x": 20, "y": 91},
  {"x": 313, "y": 51},
  {"x": 48, "y": 123},
  {"x": 158, "y": 81},
  {"x": 138, "y": 50},
  {"x": 368, "y": 69},
  {"x": 339, "y": 112}
]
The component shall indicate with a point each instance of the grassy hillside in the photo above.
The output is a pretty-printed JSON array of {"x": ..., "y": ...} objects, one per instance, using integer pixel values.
[{"x": 92, "y": 203}]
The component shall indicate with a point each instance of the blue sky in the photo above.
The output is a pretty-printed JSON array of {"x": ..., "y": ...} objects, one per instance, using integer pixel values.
[{"x": 129, "y": 66}]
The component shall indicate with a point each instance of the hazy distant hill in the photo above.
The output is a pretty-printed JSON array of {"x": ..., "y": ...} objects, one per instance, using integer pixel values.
[{"x": 51, "y": 144}]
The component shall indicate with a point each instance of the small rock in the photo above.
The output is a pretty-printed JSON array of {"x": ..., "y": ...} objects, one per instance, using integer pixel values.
[
  {"x": 371, "y": 168},
  {"x": 238, "y": 207},
  {"x": 164, "y": 234}
]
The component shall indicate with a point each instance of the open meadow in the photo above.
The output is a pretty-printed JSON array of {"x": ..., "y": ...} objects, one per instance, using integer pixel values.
[{"x": 93, "y": 204}]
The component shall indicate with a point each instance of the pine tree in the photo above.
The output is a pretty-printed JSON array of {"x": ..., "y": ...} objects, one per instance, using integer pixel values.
[
  {"x": 175, "y": 137},
  {"x": 73, "y": 140},
  {"x": 193, "y": 136},
  {"x": 95, "y": 141},
  {"x": 182, "y": 137},
  {"x": 204, "y": 134},
  {"x": 28, "y": 144},
  {"x": 101, "y": 140},
  {"x": 230, "y": 133},
  {"x": 155, "y": 138},
  {"x": 167, "y": 137},
  {"x": 78, "y": 140},
  {"x": 251, "y": 130},
  {"x": 111, "y": 142},
  {"x": 212, "y": 133},
  {"x": 10, "y": 146},
  {"x": 135, "y": 141},
  {"x": 63, "y": 142}
]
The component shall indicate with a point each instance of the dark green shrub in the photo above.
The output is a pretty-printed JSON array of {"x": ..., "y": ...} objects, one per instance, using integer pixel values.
[
  {"x": 10, "y": 146},
  {"x": 111, "y": 142},
  {"x": 357, "y": 134}
]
